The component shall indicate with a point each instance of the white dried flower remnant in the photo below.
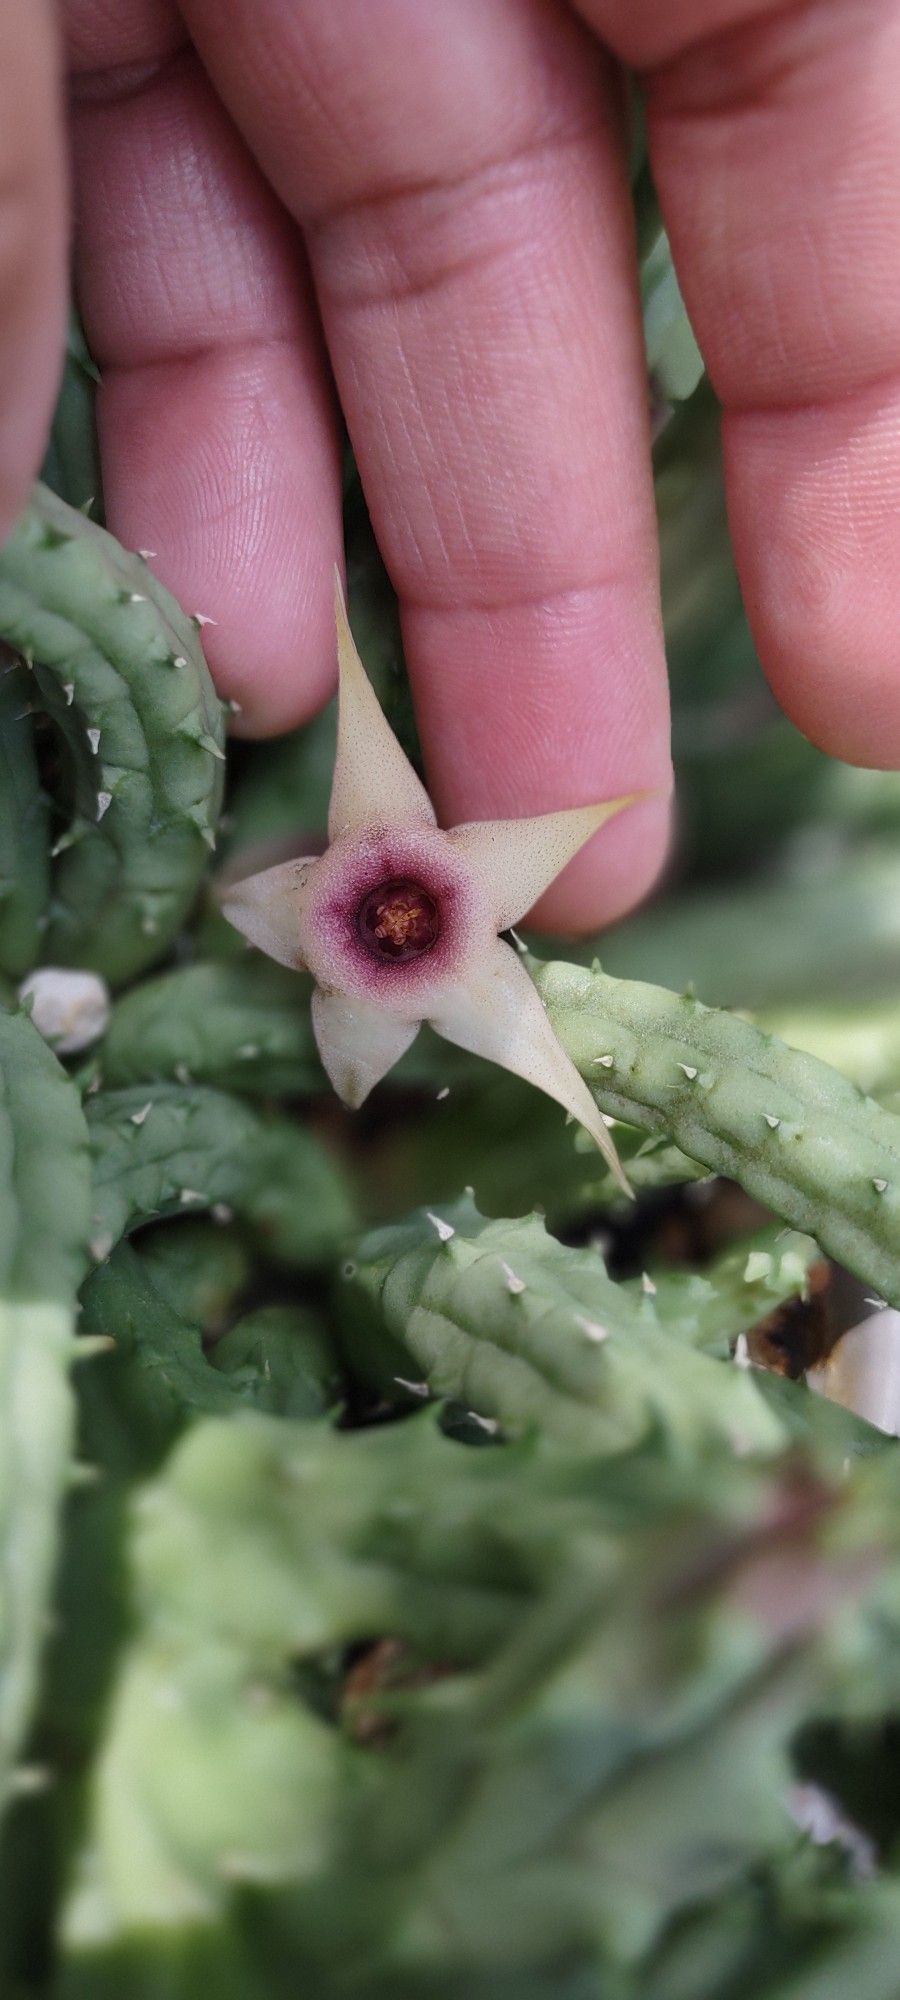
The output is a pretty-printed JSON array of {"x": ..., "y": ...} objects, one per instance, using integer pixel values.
[
  {"x": 70, "y": 1009},
  {"x": 398, "y": 921}
]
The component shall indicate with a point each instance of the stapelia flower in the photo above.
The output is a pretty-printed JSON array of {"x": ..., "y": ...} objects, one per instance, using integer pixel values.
[{"x": 398, "y": 920}]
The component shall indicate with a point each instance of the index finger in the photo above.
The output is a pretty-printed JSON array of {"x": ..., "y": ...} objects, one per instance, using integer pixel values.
[
  {"x": 32, "y": 243},
  {"x": 462, "y": 189}
]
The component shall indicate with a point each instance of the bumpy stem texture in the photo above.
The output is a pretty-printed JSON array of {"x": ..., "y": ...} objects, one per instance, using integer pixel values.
[
  {"x": 528, "y": 1333},
  {"x": 120, "y": 669},
  {"x": 613, "y": 1754},
  {"x": 165, "y": 1149},
  {"x": 156, "y": 1375},
  {"x": 243, "y": 1025},
  {"x": 198, "y": 1268},
  {"x": 795, "y": 1134},
  {"x": 44, "y": 1208},
  {"x": 860, "y": 1037},
  {"x": 24, "y": 827}
]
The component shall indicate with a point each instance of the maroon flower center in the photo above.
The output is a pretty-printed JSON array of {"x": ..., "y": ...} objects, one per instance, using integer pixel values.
[{"x": 398, "y": 920}]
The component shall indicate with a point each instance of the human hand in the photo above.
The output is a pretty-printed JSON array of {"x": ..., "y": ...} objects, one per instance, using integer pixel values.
[{"x": 428, "y": 198}]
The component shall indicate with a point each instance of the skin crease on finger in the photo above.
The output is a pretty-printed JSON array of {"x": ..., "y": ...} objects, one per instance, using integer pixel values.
[
  {"x": 775, "y": 137},
  {"x": 152, "y": 430},
  {"x": 567, "y": 716},
  {"x": 217, "y": 419},
  {"x": 724, "y": 81},
  {"x": 467, "y": 218}
]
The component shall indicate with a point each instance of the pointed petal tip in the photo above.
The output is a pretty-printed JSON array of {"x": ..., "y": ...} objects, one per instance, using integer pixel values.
[
  {"x": 357, "y": 1043},
  {"x": 607, "y": 809},
  {"x": 606, "y": 1145},
  {"x": 499, "y": 1014},
  {"x": 515, "y": 860},
  {"x": 340, "y": 602},
  {"x": 266, "y": 908},
  {"x": 582, "y": 1106},
  {"x": 374, "y": 782}
]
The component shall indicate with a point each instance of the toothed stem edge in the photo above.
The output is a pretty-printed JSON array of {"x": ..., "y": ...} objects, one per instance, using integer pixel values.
[{"x": 793, "y": 1133}]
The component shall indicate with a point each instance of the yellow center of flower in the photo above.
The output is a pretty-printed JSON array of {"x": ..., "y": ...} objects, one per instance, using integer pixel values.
[{"x": 398, "y": 920}]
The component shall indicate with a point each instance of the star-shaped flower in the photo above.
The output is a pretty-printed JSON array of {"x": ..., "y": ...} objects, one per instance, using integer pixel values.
[{"x": 398, "y": 920}]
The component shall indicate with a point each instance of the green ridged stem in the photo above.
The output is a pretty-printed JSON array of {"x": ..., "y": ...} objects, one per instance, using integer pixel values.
[
  {"x": 120, "y": 670},
  {"x": 650, "y": 1160},
  {"x": 611, "y": 1761},
  {"x": 242, "y": 1025},
  {"x": 223, "y": 1788},
  {"x": 861, "y": 1040},
  {"x": 279, "y": 1360},
  {"x": 528, "y": 1333},
  {"x": 263, "y": 1542},
  {"x": 44, "y": 1212},
  {"x": 453, "y": 1121},
  {"x": 135, "y": 1399},
  {"x": 158, "y": 1375},
  {"x": 199, "y": 1268},
  {"x": 253, "y": 1507},
  {"x": 44, "y": 1169},
  {"x": 168, "y": 1149},
  {"x": 712, "y": 1307},
  {"x": 24, "y": 828},
  {"x": 796, "y": 1135}
]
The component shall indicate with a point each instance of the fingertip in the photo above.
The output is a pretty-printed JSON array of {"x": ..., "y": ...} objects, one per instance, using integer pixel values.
[
  {"x": 283, "y": 686},
  {"x": 613, "y": 873},
  {"x": 536, "y": 707},
  {"x": 814, "y": 495}
]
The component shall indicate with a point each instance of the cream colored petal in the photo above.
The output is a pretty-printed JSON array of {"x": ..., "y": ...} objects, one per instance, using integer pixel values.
[
  {"x": 517, "y": 859},
  {"x": 498, "y": 1013},
  {"x": 266, "y": 908},
  {"x": 374, "y": 784},
  {"x": 358, "y": 1043}
]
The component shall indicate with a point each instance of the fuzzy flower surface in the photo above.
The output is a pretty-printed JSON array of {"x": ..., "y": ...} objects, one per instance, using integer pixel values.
[{"x": 398, "y": 921}]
